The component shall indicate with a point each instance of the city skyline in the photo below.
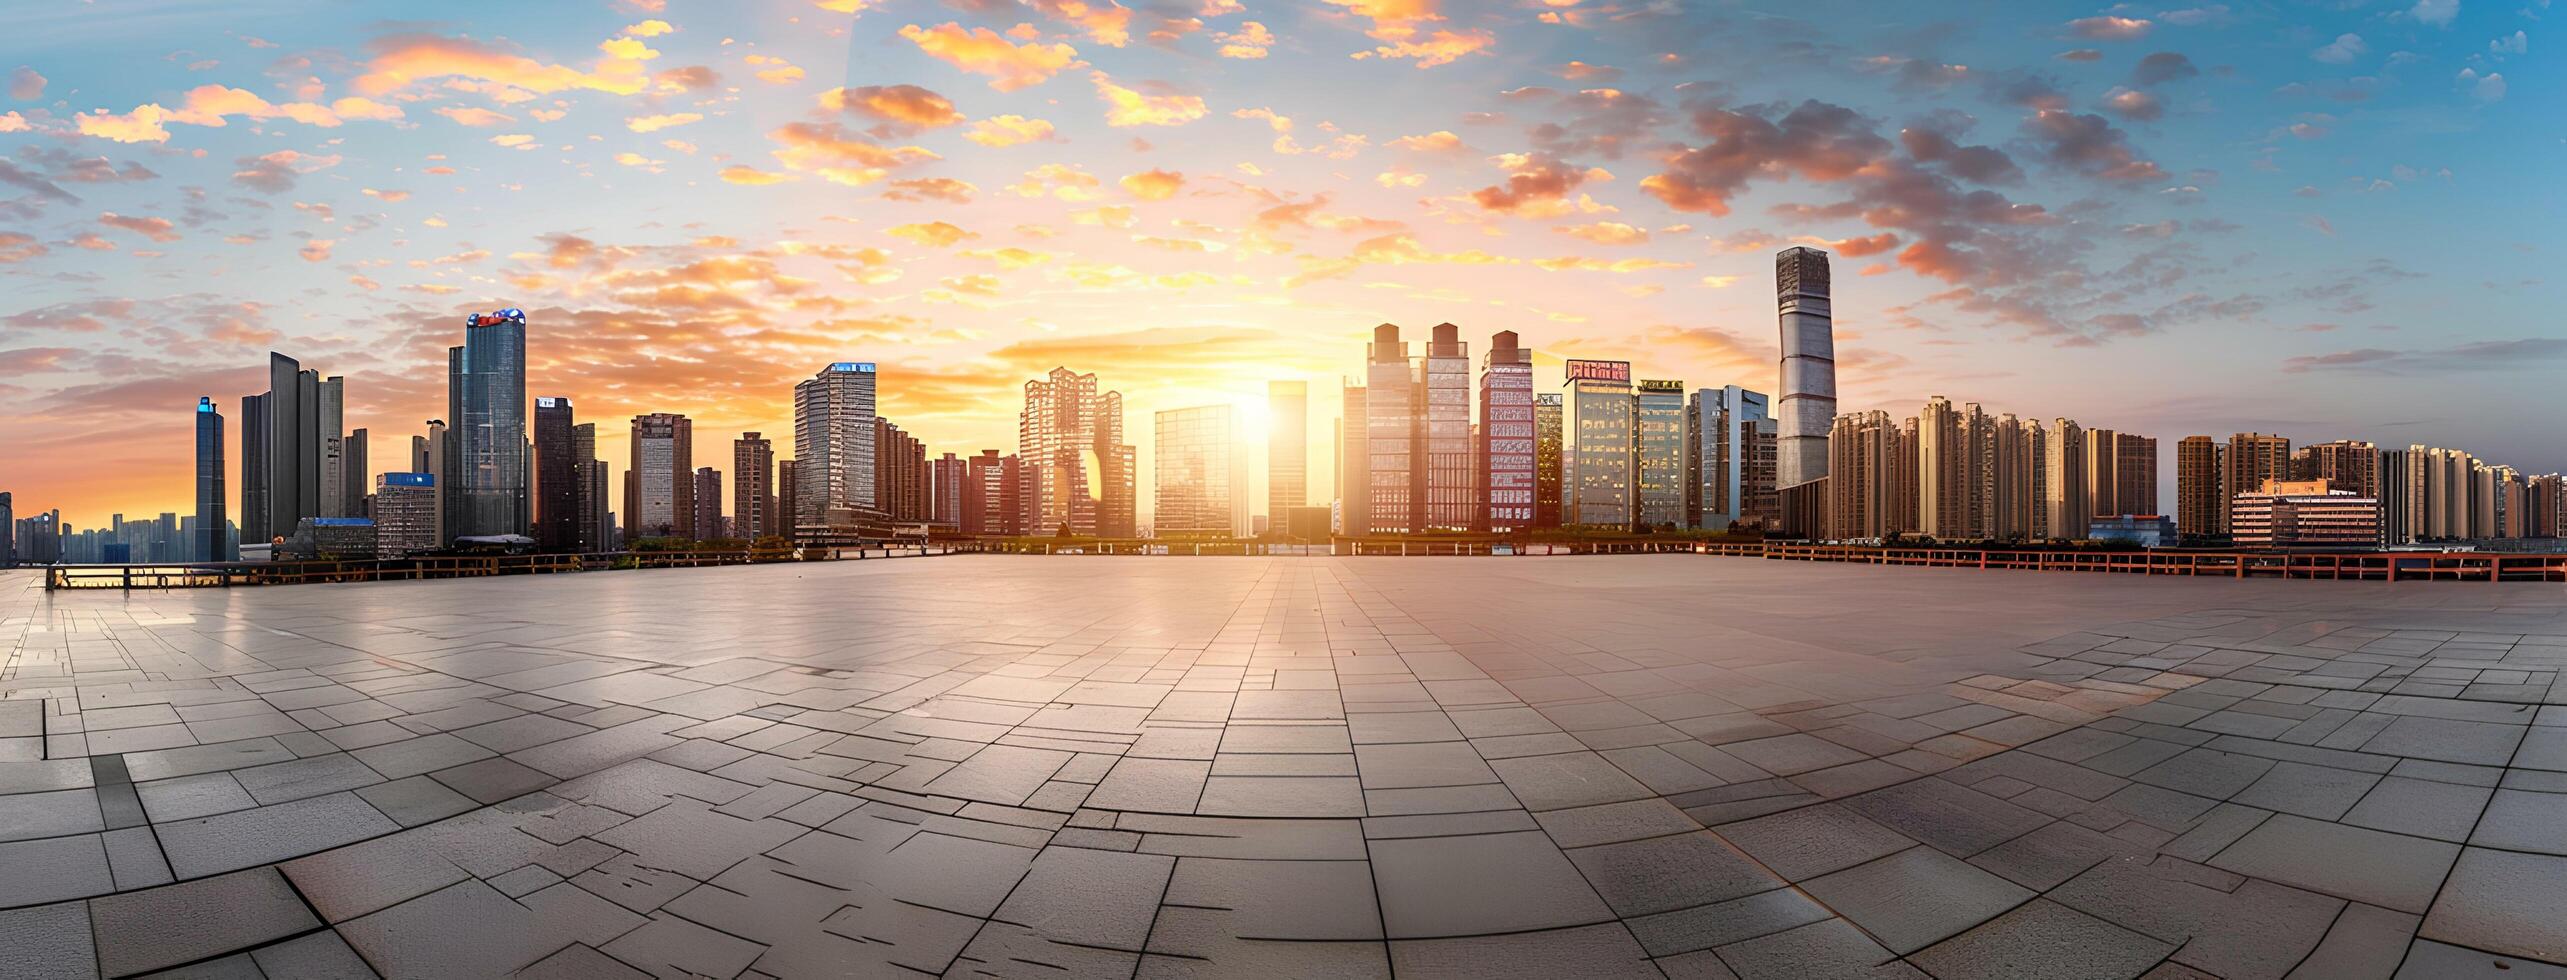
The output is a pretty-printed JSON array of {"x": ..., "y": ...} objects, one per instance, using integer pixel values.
[{"x": 2202, "y": 217}]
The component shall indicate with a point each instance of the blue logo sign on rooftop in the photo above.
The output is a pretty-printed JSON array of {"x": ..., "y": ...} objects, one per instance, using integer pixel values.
[
  {"x": 857, "y": 367},
  {"x": 409, "y": 479}
]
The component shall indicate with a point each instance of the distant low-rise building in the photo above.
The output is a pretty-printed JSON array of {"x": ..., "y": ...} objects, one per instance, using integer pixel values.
[
  {"x": 405, "y": 514},
  {"x": 2144, "y": 530},
  {"x": 2296, "y": 514}
]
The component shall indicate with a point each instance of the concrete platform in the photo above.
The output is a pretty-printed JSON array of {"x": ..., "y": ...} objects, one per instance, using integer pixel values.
[{"x": 1667, "y": 766}]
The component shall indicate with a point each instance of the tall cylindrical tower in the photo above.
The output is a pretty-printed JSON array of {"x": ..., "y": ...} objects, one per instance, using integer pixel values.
[{"x": 1808, "y": 403}]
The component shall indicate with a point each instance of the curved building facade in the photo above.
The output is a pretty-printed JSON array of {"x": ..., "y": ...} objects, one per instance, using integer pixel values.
[{"x": 1808, "y": 403}]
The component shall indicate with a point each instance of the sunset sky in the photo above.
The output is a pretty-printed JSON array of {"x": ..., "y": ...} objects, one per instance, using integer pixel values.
[{"x": 2324, "y": 219}]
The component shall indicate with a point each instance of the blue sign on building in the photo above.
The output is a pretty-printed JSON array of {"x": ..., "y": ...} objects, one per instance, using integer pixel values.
[
  {"x": 858, "y": 367},
  {"x": 410, "y": 479}
]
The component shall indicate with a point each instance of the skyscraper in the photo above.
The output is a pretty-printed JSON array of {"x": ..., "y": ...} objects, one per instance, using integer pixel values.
[
  {"x": 1287, "y": 447},
  {"x": 1079, "y": 469},
  {"x": 1446, "y": 483},
  {"x": 833, "y": 439},
  {"x": 1354, "y": 462},
  {"x": 993, "y": 498},
  {"x": 2201, "y": 501},
  {"x": 2067, "y": 501},
  {"x": 1721, "y": 455},
  {"x": 1599, "y": 458},
  {"x": 753, "y": 499},
  {"x": 1864, "y": 498},
  {"x": 659, "y": 486},
  {"x": 1549, "y": 408},
  {"x": 1943, "y": 491},
  {"x": 428, "y": 455},
  {"x": 948, "y": 484},
  {"x": 2252, "y": 458},
  {"x": 9, "y": 530},
  {"x": 788, "y": 496},
  {"x": 2018, "y": 459},
  {"x": 329, "y": 484},
  {"x": 2345, "y": 464},
  {"x": 210, "y": 522},
  {"x": 1659, "y": 420},
  {"x": 900, "y": 468},
  {"x": 356, "y": 470},
  {"x": 1200, "y": 476},
  {"x": 1507, "y": 440},
  {"x": 1390, "y": 434},
  {"x": 1808, "y": 403},
  {"x": 596, "y": 530},
  {"x": 557, "y": 484},
  {"x": 486, "y": 475},
  {"x": 282, "y": 466},
  {"x": 707, "y": 498}
]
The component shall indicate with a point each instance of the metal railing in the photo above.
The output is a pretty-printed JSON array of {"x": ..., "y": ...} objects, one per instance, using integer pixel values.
[{"x": 237, "y": 574}]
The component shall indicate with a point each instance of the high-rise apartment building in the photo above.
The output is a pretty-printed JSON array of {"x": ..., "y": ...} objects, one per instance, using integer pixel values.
[
  {"x": 486, "y": 477},
  {"x": 833, "y": 443},
  {"x": 1200, "y": 475},
  {"x": 1864, "y": 490},
  {"x": 2201, "y": 487},
  {"x": 428, "y": 455},
  {"x": 2067, "y": 500},
  {"x": 1287, "y": 447},
  {"x": 788, "y": 480},
  {"x": 1080, "y": 471},
  {"x": 2136, "y": 474},
  {"x": 210, "y": 540},
  {"x": 2011, "y": 499},
  {"x": 1599, "y": 460},
  {"x": 1390, "y": 434},
  {"x": 707, "y": 500},
  {"x": 1727, "y": 465},
  {"x": 557, "y": 483},
  {"x": 1508, "y": 444},
  {"x": 2350, "y": 465},
  {"x": 2103, "y": 473},
  {"x": 1550, "y": 411},
  {"x": 1658, "y": 415},
  {"x": 1943, "y": 471},
  {"x": 1807, "y": 407},
  {"x": 900, "y": 483},
  {"x": 753, "y": 499},
  {"x": 2251, "y": 459},
  {"x": 1446, "y": 487},
  {"x": 659, "y": 486},
  {"x": 993, "y": 495},
  {"x": 948, "y": 479}
]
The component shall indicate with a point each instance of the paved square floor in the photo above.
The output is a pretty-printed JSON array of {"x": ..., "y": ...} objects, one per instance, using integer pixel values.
[{"x": 1666, "y": 766}]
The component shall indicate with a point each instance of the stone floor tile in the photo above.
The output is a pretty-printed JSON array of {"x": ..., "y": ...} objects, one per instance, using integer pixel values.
[
  {"x": 1603, "y": 952},
  {"x": 2389, "y": 870},
  {"x": 1479, "y": 885},
  {"x": 157, "y": 928},
  {"x": 1662, "y": 874},
  {"x": 1805, "y": 843},
  {"x": 1833, "y": 948},
  {"x": 1916, "y": 897},
  {"x": 2043, "y": 940},
  {"x": 2503, "y": 902},
  {"x": 47, "y": 942}
]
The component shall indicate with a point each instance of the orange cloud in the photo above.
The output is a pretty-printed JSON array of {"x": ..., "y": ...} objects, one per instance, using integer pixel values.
[
  {"x": 901, "y": 109},
  {"x": 934, "y": 234},
  {"x": 981, "y": 51},
  {"x": 1154, "y": 185},
  {"x": 1249, "y": 42},
  {"x": 1008, "y": 131},
  {"x": 655, "y": 123},
  {"x": 1127, "y": 107},
  {"x": 212, "y": 105},
  {"x": 1606, "y": 233},
  {"x": 839, "y": 156},
  {"x": 1399, "y": 24},
  {"x": 932, "y": 189},
  {"x": 1109, "y": 24},
  {"x": 316, "y": 250},
  {"x": 401, "y": 60}
]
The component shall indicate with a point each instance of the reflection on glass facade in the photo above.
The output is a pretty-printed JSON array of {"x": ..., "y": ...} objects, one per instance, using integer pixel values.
[
  {"x": 486, "y": 470},
  {"x": 1200, "y": 485},
  {"x": 1661, "y": 444},
  {"x": 1599, "y": 457},
  {"x": 833, "y": 442},
  {"x": 1507, "y": 449},
  {"x": 1548, "y": 409}
]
